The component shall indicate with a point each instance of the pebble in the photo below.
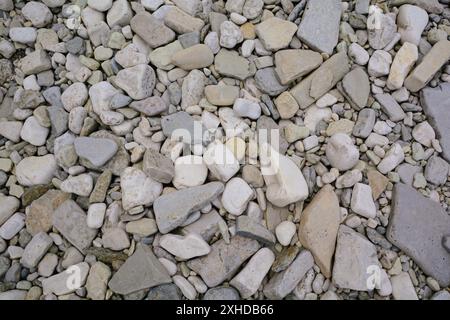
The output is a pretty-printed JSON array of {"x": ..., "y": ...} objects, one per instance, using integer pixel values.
[
  {"x": 379, "y": 64},
  {"x": 96, "y": 215},
  {"x": 362, "y": 202},
  {"x": 284, "y": 232},
  {"x": 236, "y": 196},
  {"x": 190, "y": 171},
  {"x": 403, "y": 62},
  {"x": 97, "y": 151},
  {"x": 411, "y": 21},
  {"x": 247, "y": 108},
  {"x": 36, "y": 170},
  {"x": 341, "y": 152},
  {"x": 187, "y": 247},
  {"x": 275, "y": 33},
  {"x": 33, "y": 132}
]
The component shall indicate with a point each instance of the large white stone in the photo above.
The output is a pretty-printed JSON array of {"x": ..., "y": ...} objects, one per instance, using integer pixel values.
[
  {"x": 187, "y": 247},
  {"x": 362, "y": 202},
  {"x": 341, "y": 152},
  {"x": 221, "y": 161},
  {"x": 138, "y": 189},
  {"x": 236, "y": 196},
  {"x": 36, "y": 170},
  {"x": 190, "y": 171}
]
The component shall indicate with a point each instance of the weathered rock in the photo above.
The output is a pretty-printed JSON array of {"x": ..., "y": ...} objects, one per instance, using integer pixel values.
[
  {"x": 231, "y": 64},
  {"x": 151, "y": 30},
  {"x": 319, "y": 27},
  {"x": 195, "y": 57},
  {"x": 138, "y": 189},
  {"x": 292, "y": 64},
  {"x": 70, "y": 220},
  {"x": 36, "y": 170},
  {"x": 187, "y": 247},
  {"x": 275, "y": 33},
  {"x": 319, "y": 227},
  {"x": 424, "y": 244},
  {"x": 250, "y": 228},
  {"x": 140, "y": 271},
  {"x": 404, "y": 60},
  {"x": 172, "y": 209},
  {"x": 138, "y": 81},
  {"x": 59, "y": 284},
  {"x": 157, "y": 166},
  {"x": 224, "y": 260}
]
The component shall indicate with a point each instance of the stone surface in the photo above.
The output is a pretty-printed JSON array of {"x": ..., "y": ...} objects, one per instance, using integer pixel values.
[
  {"x": 275, "y": 33},
  {"x": 98, "y": 151},
  {"x": 36, "y": 170},
  {"x": 151, "y": 30},
  {"x": 70, "y": 220},
  {"x": 404, "y": 60},
  {"x": 224, "y": 260},
  {"x": 319, "y": 27},
  {"x": 292, "y": 64},
  {"x": 187, "y": 247},
  {"x": 236, "y": 195},
  {"x": 319, "y": 227},
  {"x": 424, "y": 244},
  {"x": 362, "y": 202},
  {"x": 140, "y": 271},
  {"x": 341, "y": 152},
  {"x": 172, "y": 209}
]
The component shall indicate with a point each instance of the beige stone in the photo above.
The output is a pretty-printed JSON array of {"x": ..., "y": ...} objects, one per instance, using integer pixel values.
[
  {"x": 286, "y": 105},
  {"x": 195, "y": 57},
  {"x": 275, "y": 33},
  {"x": 403, "y": 62}
]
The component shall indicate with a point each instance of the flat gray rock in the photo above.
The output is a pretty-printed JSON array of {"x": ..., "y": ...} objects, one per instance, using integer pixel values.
[
  {"x": 182, "y": 125},
  {"x": 436, "y": 171},
  {"x": 157, "y": 166},
  {"x": 435, "y": 102},
  {"x": 267, "y": 81},
  {"x": 353, "y": 257},
  {"x": 221, "y": 293},
  {"x": 172, "y": 209},
  {"x": 319, "y": 27},
  {"x": 390, "y": 107},
  {"x": 417, "y": 226},
  {"x": 365, "y": 123},
  {"x": 140, "y": 271},
  {"x": 250, "y": 228},
  {"x": 284, "y": 282},
  {"x": 224, "y": 260},
  {"x": 356, "y": 87},
  {"x": 97, "y": 150},
  {"x": 168, "y": 291},
  {"x": 70, "y": 220}
]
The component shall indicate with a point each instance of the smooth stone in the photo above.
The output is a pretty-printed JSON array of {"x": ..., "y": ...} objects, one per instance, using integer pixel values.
[
  {"x": 392, "y": 159},
  {"x": 381, "y": 28},
  {"x": 36, "y": 170},
  {"x": 284, "y": 282},
  {"x": 423, "y": 245},
  {"x": 319, "y": 27},
  {"x": 190, "y": 171},
  {"x": 251, "y": 276},
  {"x": 192, "y": 89},
  {"x": 181, "y": 22},
  {"x": 130, "y": 56},
  {"x": 172, "y": 209},
  {"x": 96, "y": 150},
  {"x": 70, "y": 220},
  {"x": 150, "y": 106},
  {"x": 356, "y": 87},
  {"x": 221, "y": 161},
  {"x": 8, "y": 205},
  {"x": 411, "y": 21},
  {"x": 33, "y": 132},
  {"x": 224, "y": 260},
  {"x": 402, "y": 287},
  {"x": 236, "y": 196},
  {"x": 36, "y": 249},
  {"x": 424, "y": 134},
  {"x": 120, "y": 14},
  {"x": 12, "y": 226},
  {"x": 144, "y": 227},
  {"x": 138, "y": 188},
  {"x": 267, "y": 81},
  {"x": 115, "y": 239},
  {"x": 284, "y": 232},
  {"x": 164, "y": 292},
  {"x": 96, "y": 215},
  {"x": 35, "y": 62},
  {"x": 140, "y": 271},
  {"x": 286, "y": 105},
  {"x": 253, "y": 229},
  {"x": 185, "y": 247},
  {"x": 365, "y": 123},
  {"x": 221, "y": 95},
  {"x": 404, "y": 60},
  {"x": 221, "y": 293},
  {"x": 362, "y": 202},
  {"x": 275, "y": 33},
  {"x": 11, "y": 130},
  {"x": 230, "y": 64},
  {"x": 319, "y": 227},
  {"x": 195, "y": 57},
  {"x": 284, "y": 180},
  {"x": 230, "y": 35},
  {"x": 247, "y": 108},
  {"x": 437, "y": 170},
  {"x": 291, "y": 64},
  {"x": 74, "y": 96},
  {"x": 97, "y": 281},
  {"x": 390, "y": 107},
  {"x": 358, "y": 54},
  {"x": 206, "y": 226}
]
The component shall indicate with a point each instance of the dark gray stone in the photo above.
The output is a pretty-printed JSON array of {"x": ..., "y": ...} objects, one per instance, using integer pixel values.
[
  {"x": 390, "y": 107},
  {"x": 417, "y": 226},
  {"x": 267, "y": 81},
  {"x": 406, "y": 172},
  {"x": 140, "y": 271},
  {"x": 164, "y": 292}
]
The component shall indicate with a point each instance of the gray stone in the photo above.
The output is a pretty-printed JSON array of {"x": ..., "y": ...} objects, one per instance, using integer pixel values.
[
  {"x": 319, "y": 27},
  {"x": 153, "y": 31},
  {"x": 406, "y": 172},
  {"x": 390, "y": 107},
  {"x": 382, "y": 35},
  {"x": 35, "y": 62},
  {"x": 181, "y": 124},
  {"x": 250, "y": 228},
  {"x": 267, "y": 81},
  {"x": 224, "y": 260},
  {"x": 138, "y": 81},
  {"x": 353, "y": 257},
  {"x": 164, "y": 292},
  {"x": 231, "y": 64},
  {"x": 140, "y": 271},
  {"x": 435, "y": 105},
  {"x": 356, "y": 88},
  {"x": 8, "y": 205},
  {"x": 206, "y": 226},
  {"x": 138, "y": 188},
  {"x": 59, "y": 283},
  {"x": 151, "y": 106},
  {"x": 221, "y": 293},
  {"x": 35, "y": 250},
  {"x": 158, "y": 166},
  {"x": 172, "y": 209},
  {"x": 322, "y": 80},
  {"x": 424, "y": 244},
  {"x": 192, "y": 89},
  {"x": 436, "y": 170},
  {"x": 431, "y": 6},
  {"x": 365, "y": 123},
  {"x": 97, "y": 150},
  {"x": 70, "y": 220},
  {"x": 284, "y": 282}
]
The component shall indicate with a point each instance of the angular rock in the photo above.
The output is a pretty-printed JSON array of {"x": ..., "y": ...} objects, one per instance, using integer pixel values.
[
  {"x": 362, "y": 202},
  {"x": 151, "y": 30},
  {"x": 319, "y": 227},
  {"x": 319, "y": 27},
  {"x": 431, "y": 63},
  {"x": 390, "y": 107},
  {"x": 97, "y": 151},
  {"x": 158, "y": 167},
  {"x": 284, "y": 282},
  {"x": 250, "y": 228},
  {"x": 172, "y": 209},
  {"x": 70, "y": 220},
  {"x": 97, "y": 281},
  {"x": 423, "y": 245},
  {"x": 187, "y": 247},
  {"x": 138, "y": 189},
  {"x": 356, "y": 87},
  {"x": 224, "y": 260},
  {"x": 231, "y": 64},
  {"x": 138, "y": 81},
  {"x": 292, "y": 64},
  {"x": 275, "y": 33}
]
